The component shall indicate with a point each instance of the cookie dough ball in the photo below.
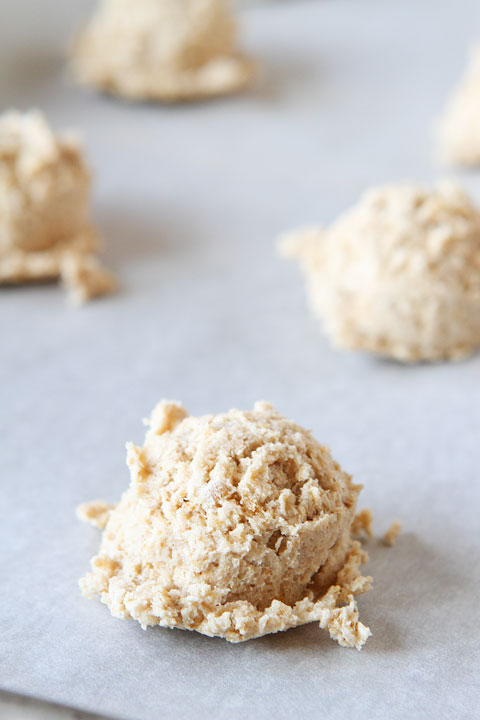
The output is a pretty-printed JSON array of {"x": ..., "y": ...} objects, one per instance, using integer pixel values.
[
  {"x": 459, "y": 129},
  {"x": 166, "y": 50},
  {"x": 45, "y": 229},
  {"x": 399, "y": 274},
  {"x": 234, "y": 525}
]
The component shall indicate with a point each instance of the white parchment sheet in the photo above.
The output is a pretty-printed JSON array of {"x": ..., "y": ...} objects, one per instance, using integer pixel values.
[{"x": 190, "y": 199}]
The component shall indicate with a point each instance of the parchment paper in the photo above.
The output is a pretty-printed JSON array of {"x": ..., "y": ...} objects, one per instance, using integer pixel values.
[{"x": 190, "y": 200}]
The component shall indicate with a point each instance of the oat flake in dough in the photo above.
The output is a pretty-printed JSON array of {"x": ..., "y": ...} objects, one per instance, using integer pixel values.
[
  {"x": 399, "y": 274},
  {"x": 234, "y": 525},
  {"x": 45, "y": 228},
  {"x": 167, "y": 50}
]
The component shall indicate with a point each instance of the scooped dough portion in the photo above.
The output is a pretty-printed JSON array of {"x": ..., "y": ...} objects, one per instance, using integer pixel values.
[
  {"x": 459, "y": 128},
  {"x": 399, "y": 274},
  {"x": 234, "y": 525},
  {"x": 45, "y": 229},
  {"x": 162, "y": 50}
]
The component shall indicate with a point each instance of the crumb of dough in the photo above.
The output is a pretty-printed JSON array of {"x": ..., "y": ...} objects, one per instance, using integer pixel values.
[
  {"x": 458, "y": 131},
  {"x": 392, "y": 533},
  {"x": 162, "y": 50},
  {"x": 86, "y": 278},
  {"x": 45, "y": 229},
  {"x": 363, "y": 523},
  {"x": 234, "y": 525},
  {"x": 398, "y": 274},
  {"x": 95, "y": 512}
]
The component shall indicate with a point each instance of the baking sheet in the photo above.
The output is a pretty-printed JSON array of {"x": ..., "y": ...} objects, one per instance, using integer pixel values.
[{"x": 190, "y": 199}]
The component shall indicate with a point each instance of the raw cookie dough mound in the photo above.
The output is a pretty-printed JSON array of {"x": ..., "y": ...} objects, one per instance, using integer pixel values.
[
  {"x": 167, "y": 50},
  {"x": 399, "y": 274},
  {"x": 459, "y": 128},
  {"x": 234, "y": 525},
  {"x": 45, "y": 230}
]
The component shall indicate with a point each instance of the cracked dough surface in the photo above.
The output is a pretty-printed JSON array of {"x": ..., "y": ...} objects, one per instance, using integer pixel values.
[
  {"x": 459, "y": 128},
  {"x": 168, "y": 50},
  {"x": 398, "y": 274},
  {"x": 45, "y": 229},
  {"x": 234, "y": 525}
]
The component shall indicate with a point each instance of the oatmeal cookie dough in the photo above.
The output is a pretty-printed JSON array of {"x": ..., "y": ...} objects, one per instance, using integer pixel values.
[
  {"x": 458, "y": 131},
  {"x": 234, "y": 525},
  {"x": 362, "y": 525},
  {"x": 166, "y": 50},
  {"x": 45, "y": 229},
  {"x": 392, "y": 533},
  {"x": 399, "y": 274}
]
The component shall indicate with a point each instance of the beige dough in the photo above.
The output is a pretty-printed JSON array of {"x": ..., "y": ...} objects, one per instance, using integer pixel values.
[
  {"x": 399, "y": 274},
  {"x": 459, "y": 128},
  {"x": 45, "y": 229},
  {"x": 392, "y": 533},
  {"x": 234, "y": 525},
  {"x": 167, "y": 50},
  {"x": 362, "y": 525}
]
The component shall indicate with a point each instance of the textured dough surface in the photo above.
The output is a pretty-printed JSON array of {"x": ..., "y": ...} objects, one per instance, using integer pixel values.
[
  {"x": 235, "y": 525},
  {"x": 45, "y": 229},
  {"x": 398, "y": 274},
  {"x": 161, "y": 50},
  {"x": 459, "y": 128}
]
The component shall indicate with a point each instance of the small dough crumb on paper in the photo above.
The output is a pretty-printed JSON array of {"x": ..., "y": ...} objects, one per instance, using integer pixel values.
[
  {"x": 398, "y": 274},
  {"x": 234, "y": 525},
  {"x": 392, "y": 533},
  {"x": 45, "y": 229},
  {"x": 95, "y": 512},
  {"x": 166, "y": 50},
  {"x": 458, "y": 131},
  {"x": 363, "y": 523}
]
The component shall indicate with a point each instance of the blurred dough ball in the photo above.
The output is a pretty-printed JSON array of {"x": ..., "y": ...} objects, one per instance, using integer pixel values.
[
  {"x": 45, "y": 227},
  {"x": 167, "y": 50},
  {"x": 398, "y": 274},
  {"x": 235, "y": 525},
  {"x": 458, "y": 133}
]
